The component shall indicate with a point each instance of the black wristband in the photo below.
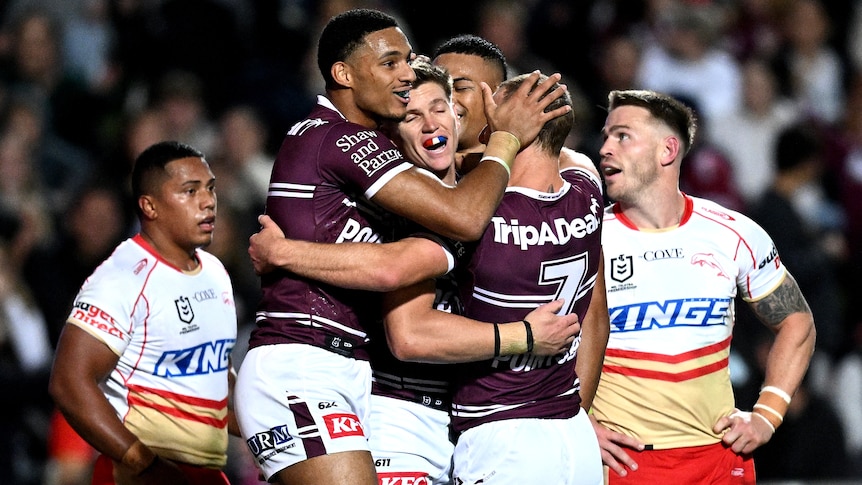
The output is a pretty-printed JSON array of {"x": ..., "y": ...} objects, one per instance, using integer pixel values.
[
  {"x": 529, "y": 335},
  {"x": 496, "y": 340}
]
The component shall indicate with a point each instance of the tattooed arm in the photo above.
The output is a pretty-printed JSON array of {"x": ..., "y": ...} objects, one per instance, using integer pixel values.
[{"x": 786, "y": 313}]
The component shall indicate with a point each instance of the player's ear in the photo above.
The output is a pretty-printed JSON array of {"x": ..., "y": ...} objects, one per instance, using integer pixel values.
[
  {"x": 147, "y": 206},
  {"x": 670, "y": 150},
  {"x": 341, "y": 73}
]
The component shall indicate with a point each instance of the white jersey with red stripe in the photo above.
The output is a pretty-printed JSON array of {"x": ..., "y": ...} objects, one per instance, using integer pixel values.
[
  {"x": 671, "y": 292},
  {"x": 173, "y": 332}
]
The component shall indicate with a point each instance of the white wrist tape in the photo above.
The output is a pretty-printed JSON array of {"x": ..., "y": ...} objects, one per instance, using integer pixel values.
[
  {"x": 498, "y": 160},
  {"x": 778, "y": 392},
  {"x": 765, "y": 421}
]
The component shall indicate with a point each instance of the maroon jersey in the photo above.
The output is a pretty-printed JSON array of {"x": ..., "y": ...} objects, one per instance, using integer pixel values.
[
  {"x": 423, "y": 383},
  {"x": 538, "y": 248},
  {"x": 324, "y": 176}
]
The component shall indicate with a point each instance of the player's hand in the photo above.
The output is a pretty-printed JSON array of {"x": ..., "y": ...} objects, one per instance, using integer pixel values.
[
  {"x": 552, "y": 333},
  {"x": 611, "y": 443},
  {"x": 743, "y": 432},
  {"x": 522, "y": 113},
  {"x": 263, "y": 244},
  {"x": 161, "y": 472}
]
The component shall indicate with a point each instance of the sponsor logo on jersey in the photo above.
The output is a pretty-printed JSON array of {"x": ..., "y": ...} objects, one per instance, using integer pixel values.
[
  {"x": 559, "y": 232},
  {"x": 366, "y": 153},
  {"x": 708, "y": 260},
  {"x": 347, "y": 142},
  {"x": 184, "y": 309},
  {"x": 723, "y": 215},
  {"x": 685, "y": 312},
  {"x": 773, "y": 257},
  {"x": 269, "y": 442},
  {"x": 528, "y": 362},
  {"x": 403, "y": 478},
  {"x": 354, "y": 231},
  {"x": 140, "y": 265},
  {"x": 343, "y": 424},
  {"x": 660, "y": 254},
  {"x": 96, "y": 318},
  {"x": 622, "y": 268},
  {"x": 201, "y": 359},
  {"x": 204, "y": 295}
]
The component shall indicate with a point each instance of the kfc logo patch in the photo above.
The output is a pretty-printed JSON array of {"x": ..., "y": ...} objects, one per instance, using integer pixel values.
[
  {"x": 341, "y": 425},
  {"x": 403, "y": 478}
]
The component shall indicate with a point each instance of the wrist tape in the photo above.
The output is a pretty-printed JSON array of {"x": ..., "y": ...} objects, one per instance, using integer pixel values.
[{"x": 772, "y": 405}]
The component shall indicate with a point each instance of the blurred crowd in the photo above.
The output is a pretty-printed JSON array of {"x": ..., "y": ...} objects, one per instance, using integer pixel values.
[{"x": 86, "y": 85}]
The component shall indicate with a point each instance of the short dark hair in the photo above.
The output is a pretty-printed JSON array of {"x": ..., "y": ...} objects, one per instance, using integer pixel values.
[
  {"x": 795, "y": 145},
  {"x": 476, "y": 46},
  {"x": 343, "y": 34},
  {"x": 669, "y": 110},
  {"x": 429, "y": 73},
  {"x": 150, "y": 164},
  {"x": 553, "y": 134}
]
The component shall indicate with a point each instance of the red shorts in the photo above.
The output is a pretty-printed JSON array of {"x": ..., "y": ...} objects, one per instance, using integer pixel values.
[
  {"x": 64, "y": 444},
  {"x": 103, "y": 473},
  {"x": 710, "y": 464}
]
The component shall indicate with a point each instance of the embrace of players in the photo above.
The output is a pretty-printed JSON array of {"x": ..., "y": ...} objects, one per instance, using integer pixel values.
[{"x": 446, "y": 297}]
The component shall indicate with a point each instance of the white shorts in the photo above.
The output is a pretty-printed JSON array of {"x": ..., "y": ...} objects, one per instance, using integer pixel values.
[
  {"x": 294, "y": 402},
  {"x": 410, "y": 442},
  {"x": 519, "y": 451}
]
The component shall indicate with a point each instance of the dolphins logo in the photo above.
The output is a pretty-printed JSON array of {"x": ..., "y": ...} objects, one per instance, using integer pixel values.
[{"x": 707, "y": 260}]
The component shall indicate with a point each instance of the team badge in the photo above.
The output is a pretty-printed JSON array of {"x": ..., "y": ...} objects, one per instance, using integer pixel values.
[
  {"x": 708, "y": 260},
  {"x": 622, "y": 268},
  {"x": 184, "y": 309}
]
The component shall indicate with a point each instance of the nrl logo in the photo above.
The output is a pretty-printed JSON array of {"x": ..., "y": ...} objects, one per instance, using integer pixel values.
[
  {"x": 184, "y": 309},
  {"x": 622, "y": 268}
]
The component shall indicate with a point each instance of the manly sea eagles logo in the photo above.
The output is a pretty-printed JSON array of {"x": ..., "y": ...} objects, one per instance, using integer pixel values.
[
  {"x": 184, "y": 309},
  {"x": 622, "y": 268}
]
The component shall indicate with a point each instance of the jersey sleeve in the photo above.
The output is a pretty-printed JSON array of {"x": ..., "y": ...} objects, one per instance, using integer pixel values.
[
  {"x": 761, "y": 270},
  {"x": 571, "y": 174},
  {"x": 104, "y": 307},
  {"x": 360, "y": 158}
]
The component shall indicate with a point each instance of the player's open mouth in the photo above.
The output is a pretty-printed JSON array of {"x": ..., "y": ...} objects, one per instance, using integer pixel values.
[
  {"x": 208, "y": 224},
  {"x": 405, "y": 95},
  {"x": 435, "y": 143}
]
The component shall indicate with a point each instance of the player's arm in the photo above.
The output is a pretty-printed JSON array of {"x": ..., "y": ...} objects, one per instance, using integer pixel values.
[
  {"x": 81, "y": 363},
  {"x": 595, "y": 330},
  {"x": 786, "y": 312},
  {"x": 463, "y": 212},
  {"x": 364, "y": 266},
  {"x": 417, "y": 332},
  {"x": 232, "y": 423},
  {"x": 614, "y": 445}
]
